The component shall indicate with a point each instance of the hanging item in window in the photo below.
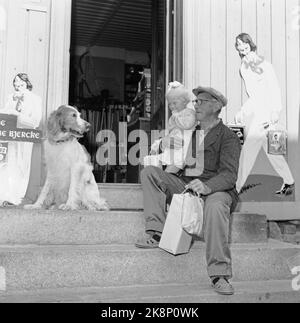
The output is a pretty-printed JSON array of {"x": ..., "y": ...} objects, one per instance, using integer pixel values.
[{"x": 147, "y": 73}]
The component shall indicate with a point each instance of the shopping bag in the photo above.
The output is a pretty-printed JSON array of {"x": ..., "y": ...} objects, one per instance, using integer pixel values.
[
  {"x": 277, "y": 142},
  {"x": 192, "y": 214},
  {"x": 174, "y": 239}
]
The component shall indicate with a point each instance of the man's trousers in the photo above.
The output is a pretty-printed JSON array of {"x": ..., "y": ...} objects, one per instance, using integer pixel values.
[{"x": 159, "y": 188}]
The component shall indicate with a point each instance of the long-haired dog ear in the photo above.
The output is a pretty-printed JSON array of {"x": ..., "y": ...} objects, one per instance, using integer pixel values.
[
  {"x": 53, "y": 124},
  {"x": 60, "y": 117}
]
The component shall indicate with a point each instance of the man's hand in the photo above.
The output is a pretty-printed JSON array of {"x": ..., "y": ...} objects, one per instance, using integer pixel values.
[
  {"x": 155, "y": 148},
  {"x": 171, "y": 143},
  {"x": 198, "y": 187}
]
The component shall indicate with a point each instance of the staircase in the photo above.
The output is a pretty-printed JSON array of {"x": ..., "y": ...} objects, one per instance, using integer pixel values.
[{"x": 54, "y": 256}]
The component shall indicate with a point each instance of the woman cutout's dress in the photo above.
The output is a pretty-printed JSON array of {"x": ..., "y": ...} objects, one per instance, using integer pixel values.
[{"x": 15, "y": 172}]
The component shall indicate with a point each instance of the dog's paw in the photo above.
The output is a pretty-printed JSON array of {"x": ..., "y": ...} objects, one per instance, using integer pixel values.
[
  {"x": 105, "y": 207},
  {"x": 102, "y": 205},
  {"x": 91, "y": 208},
  {"x": 96, "y": 206},
  {"x": 68, "y": 207},
  {"x": 32, "y": 207}
]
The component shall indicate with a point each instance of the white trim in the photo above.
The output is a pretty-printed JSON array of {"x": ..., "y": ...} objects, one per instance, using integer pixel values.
[
  {"x": 3, "y": 19},
  {"x": 35, "y": 8},
  {"x": 167, "y": 61},
  {"x": 59, "y": 64}
]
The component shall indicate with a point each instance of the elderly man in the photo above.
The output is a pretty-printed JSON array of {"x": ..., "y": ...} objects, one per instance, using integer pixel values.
[{"x": 215, "y": 181}]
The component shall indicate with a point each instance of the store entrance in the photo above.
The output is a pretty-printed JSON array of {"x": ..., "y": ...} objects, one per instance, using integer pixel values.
[{"x": 118, "y": 75}]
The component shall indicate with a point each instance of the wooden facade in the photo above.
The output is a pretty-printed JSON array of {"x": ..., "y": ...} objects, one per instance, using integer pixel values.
[
  {"x": 210, "y": 59},
  {"x": 35, "y": 38}
]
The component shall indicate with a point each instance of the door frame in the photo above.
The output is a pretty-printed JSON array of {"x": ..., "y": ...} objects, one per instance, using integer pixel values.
[
  {"x": 174, "y": 46},
  {"x": 59, "y": 62}
]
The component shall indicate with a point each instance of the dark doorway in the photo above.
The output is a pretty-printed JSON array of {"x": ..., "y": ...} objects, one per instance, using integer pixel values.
[{"x": 118, "y": 72}]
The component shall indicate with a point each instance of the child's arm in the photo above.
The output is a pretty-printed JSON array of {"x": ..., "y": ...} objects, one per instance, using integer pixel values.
[{"x": 186, "y": 120}]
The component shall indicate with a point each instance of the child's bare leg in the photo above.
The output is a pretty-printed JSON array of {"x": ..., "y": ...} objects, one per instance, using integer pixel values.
[{"x": 172, "y": 169}]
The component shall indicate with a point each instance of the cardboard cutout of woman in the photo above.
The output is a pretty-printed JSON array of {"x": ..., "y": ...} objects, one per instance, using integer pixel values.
[
  {"x": 14, "y": 174},
  {"x": 260, "y": 113}
]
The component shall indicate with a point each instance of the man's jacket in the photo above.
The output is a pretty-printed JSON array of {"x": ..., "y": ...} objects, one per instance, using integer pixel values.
[{"x": 222, "y": 149}]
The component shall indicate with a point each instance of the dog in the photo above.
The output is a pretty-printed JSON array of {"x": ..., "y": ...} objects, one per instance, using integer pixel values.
[{"x": 70, "y": 183}]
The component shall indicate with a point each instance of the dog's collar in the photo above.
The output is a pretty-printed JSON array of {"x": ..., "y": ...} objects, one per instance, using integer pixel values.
[{"x": 59, "y": 142}]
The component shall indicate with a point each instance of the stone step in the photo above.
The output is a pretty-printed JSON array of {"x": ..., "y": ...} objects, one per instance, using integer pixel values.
[
  {"x": 245, "y": 292},
  {"x": 48, "y": 267},
  {"x": 123, "y": 196},
  {"x": 43, "y": 227}
]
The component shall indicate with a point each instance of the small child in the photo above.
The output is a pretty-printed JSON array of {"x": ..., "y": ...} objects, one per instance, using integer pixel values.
[{"x": 181, "y": 125}]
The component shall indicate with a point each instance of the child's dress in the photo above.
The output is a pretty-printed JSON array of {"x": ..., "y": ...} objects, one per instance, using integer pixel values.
[{"x": 181, "y": 125}]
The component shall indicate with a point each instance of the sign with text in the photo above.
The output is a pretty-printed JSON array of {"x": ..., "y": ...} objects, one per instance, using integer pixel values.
[
  {"x": 3, "y": 152},
  {"x": 239, "y": 131},
  {"x": 10, "y": 132}
]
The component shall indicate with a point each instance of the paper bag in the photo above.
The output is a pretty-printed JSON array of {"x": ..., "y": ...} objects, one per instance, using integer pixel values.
[
  {"x": 192, "y": 214},
  {"x": 174, "y": 239}
]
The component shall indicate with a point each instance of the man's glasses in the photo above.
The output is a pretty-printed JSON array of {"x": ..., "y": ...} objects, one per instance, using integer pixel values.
[{"x": 199, "y": 101}]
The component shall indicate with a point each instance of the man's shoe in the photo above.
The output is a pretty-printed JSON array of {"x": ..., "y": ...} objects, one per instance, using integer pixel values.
[
  {"x": 149, "y": 243},
  {"x": 222, "y": 287},
  {"x": 286, "y": 189}
]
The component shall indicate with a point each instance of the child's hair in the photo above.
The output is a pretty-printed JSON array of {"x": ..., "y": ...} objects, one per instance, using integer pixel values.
[{"x": 177, "y": 90}]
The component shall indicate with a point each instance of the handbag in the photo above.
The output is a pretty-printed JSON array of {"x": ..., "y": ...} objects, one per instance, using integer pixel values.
[
  {"x": 192, "y": 213},
  {"x": 277, "y": 141}
]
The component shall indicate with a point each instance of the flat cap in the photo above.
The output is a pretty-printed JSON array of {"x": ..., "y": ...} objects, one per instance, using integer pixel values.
[{"x": 214, "y": 93}]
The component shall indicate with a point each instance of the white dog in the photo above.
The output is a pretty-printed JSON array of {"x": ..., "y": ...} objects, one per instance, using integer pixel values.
[{"x": 70, "y": 183}]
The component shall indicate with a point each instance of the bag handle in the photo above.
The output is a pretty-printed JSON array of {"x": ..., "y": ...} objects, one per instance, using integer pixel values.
[
  {"x": 182, "y": 208},
  {"x": 188, "y": 190}
]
